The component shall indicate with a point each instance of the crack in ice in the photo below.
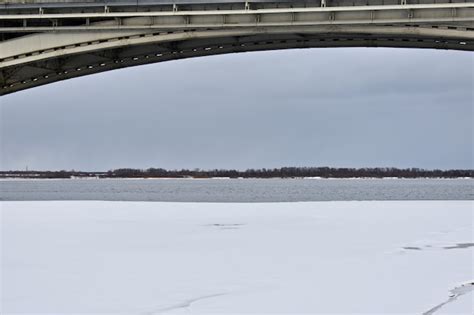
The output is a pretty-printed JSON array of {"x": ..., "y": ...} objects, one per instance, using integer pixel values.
[
  {"x": 459, "y": 245},
  {"x": 454, "y": 294},
  {"x": 184, "y": 304},
  {"x": 436, "y": 247}
]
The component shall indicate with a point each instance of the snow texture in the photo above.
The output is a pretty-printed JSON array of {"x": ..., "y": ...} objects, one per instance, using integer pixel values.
[{"x": 84, "y": 257}]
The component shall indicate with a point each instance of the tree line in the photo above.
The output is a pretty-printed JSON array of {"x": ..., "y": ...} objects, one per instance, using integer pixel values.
[{"x": 283, "y": 172}]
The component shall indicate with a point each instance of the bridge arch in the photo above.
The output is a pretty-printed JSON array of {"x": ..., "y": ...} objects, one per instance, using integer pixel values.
[{"x": 60, "y": 52}]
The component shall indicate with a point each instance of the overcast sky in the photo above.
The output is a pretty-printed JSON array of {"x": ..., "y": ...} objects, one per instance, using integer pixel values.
[{"x": 319, "y": 107}]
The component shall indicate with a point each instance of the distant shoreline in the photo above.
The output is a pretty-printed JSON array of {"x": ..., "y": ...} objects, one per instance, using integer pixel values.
[
  {"x": 263, "y": 173},
  {"x": 230, "y": 178}
]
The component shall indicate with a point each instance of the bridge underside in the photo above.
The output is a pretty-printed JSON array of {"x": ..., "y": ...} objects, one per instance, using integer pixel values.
[{"x": 30, "y": 58}]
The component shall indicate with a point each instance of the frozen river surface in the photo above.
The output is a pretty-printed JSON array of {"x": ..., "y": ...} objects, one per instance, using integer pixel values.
[{"x": 96, "y": 257}]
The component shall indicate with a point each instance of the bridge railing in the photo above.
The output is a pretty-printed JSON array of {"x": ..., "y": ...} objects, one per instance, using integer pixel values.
[{"x": 66, "y": 3}]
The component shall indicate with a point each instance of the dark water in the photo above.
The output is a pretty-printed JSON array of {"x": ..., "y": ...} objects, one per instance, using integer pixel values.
[{"x": 238, "y": 190}]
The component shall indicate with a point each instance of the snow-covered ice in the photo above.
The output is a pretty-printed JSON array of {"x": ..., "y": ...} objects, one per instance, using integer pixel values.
[{"x": 315, "y": 257}]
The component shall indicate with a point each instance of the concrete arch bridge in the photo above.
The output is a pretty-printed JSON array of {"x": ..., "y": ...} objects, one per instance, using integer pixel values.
[{"x": 44, "y": 41}]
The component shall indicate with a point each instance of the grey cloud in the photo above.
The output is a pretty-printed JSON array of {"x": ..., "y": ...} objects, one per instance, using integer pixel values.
[{"x": 338, "y": 107}]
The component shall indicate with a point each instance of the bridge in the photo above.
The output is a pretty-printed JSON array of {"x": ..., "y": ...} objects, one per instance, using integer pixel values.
[{"x": 44, "y": 41}]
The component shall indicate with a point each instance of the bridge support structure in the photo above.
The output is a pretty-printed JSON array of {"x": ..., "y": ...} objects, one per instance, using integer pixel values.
[{"x": 43, "y": 42}]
